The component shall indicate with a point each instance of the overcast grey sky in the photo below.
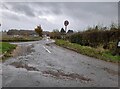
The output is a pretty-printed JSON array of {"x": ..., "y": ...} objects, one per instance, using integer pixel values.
[{"x": 51, "y": 15}]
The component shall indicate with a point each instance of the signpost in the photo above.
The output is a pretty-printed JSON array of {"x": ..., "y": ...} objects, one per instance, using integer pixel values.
[
  {"x": 66, "y": 23},
  {"x": 118, "y": 48},
  {"x": 118, "y": 44}
]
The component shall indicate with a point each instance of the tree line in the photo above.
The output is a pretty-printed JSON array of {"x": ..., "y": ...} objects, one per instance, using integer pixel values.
[{"x": 56, "y": 34}]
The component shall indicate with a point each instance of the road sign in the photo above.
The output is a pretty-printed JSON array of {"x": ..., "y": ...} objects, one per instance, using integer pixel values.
[{"x": 66, "y": 23}]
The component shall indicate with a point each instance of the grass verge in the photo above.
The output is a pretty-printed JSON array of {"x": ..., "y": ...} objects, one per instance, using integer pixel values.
[
  {"x": 5, "y": 49},
  {"x": 89, "y": 51}
]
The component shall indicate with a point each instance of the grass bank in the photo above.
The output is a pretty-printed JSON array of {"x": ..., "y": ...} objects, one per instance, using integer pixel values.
[
  {"x": 6, "y": 48},
  {"x": 89, "y": 51}
]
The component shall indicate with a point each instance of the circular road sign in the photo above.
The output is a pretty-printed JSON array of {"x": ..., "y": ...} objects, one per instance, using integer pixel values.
[{"x": 66, "y": 23}]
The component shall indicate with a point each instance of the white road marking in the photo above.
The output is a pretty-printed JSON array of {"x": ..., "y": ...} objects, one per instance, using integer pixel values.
[
  {"x": 46, "y": 49},
  {"x": 47, "y": 40}
]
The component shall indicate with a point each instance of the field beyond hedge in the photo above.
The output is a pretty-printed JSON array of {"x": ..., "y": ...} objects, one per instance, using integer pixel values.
[{"x": 19, "y": 39}]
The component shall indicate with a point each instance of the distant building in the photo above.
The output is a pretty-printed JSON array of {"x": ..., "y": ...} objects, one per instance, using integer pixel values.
[
  {"x": 70, "y": 31},
  {"x": 46, "y": 33}
]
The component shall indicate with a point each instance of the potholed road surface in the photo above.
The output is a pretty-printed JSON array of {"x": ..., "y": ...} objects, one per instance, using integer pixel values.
[{"x": 43, "y": 64}]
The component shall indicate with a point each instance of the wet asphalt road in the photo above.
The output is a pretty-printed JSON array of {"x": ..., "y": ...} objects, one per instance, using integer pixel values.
[{"x": 48, "y": 65}]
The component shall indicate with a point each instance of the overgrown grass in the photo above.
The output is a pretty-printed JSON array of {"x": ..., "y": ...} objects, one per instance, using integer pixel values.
[
  {"x": 89, "y": 51},
  {"x": 6, "y": 48}
]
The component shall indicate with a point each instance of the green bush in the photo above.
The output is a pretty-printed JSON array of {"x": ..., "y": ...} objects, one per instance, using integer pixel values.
[{"x": 95, "y": 37}]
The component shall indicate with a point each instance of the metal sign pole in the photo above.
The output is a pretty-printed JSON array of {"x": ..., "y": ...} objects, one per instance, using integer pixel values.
[{"x": 65, "y": 28}]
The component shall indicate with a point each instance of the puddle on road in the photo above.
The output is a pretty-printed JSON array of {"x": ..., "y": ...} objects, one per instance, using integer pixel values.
[
  {"x": 47, "y": 44},
  {"x": 62, "y": 75},
  {"x": 23, "y": 65}
]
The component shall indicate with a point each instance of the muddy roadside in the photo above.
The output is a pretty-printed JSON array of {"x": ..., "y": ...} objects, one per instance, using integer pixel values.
[{"x": 20, "y": 50}]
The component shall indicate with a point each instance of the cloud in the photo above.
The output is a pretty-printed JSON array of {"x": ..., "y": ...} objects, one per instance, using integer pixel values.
[
  {"x": 10, "y": 15},
  {"x": 20, "y": 7},
  {"x": 52, "y": 14}
]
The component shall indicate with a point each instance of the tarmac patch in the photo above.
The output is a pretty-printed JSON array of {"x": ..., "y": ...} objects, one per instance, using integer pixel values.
[
  {"x": 61, "y": 74},
  {"x": 23, "y": 65}
]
